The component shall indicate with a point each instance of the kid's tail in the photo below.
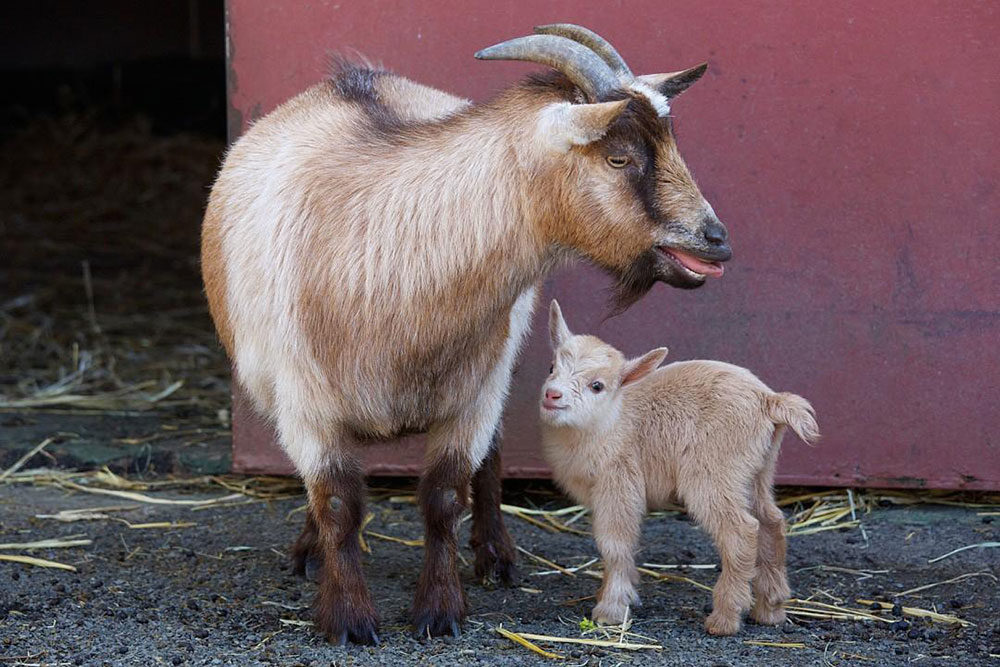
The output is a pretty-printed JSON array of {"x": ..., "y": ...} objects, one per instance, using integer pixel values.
[{"x": 794, "y": 411}]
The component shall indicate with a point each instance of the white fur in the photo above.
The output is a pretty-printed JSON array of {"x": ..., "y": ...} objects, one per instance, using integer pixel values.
[{"x": 656, "y": 98}]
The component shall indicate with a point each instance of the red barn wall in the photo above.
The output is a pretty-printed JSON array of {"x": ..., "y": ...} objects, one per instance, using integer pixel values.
[{"x": 850, "y": 147}]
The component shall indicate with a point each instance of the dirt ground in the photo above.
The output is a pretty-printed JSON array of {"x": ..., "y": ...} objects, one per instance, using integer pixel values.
[{"x": 215, "y": 588}]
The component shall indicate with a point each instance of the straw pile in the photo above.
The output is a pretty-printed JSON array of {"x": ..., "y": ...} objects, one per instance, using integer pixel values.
[{"x": 103, "y": 309}]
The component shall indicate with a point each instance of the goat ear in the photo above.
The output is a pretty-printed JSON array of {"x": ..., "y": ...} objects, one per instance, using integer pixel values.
[
  {"x": 673, "y": 84},
  {"x": 558, "y": 331},
  {"x": 636, "y": 369},
  {"x": 566, "y": 125}
]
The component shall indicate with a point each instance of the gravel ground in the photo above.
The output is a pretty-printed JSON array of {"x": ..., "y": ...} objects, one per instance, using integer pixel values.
[{"x": 220, "y": 592}]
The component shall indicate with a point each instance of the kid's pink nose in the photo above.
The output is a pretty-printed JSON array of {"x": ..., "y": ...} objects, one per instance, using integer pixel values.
[{"x": 553, "y": 394}]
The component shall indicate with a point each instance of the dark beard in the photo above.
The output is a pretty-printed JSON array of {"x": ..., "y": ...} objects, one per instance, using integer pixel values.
[{"x": 633, "y": 283}]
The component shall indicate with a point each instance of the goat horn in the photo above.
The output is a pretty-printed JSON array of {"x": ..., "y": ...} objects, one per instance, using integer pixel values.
[
  {"x": 592, "y": 41},
  {"x": 583, "y": 67}
]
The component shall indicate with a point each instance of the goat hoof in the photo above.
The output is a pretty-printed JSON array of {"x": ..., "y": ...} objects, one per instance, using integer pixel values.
[
  {"x": 768, "y": 616},
  {"x": 722, "y": 625},
  {"x": 493, "y": 570},
  {"x": 607, "y": 613},
  {"x": 363, "y": 634},
  {"x": 496, "y": 563},
  {"x": 342, "y": 623},
  {"x": 438, "y": 625}
]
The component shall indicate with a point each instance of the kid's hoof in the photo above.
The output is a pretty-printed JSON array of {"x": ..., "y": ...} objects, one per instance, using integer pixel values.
[
  {"x": 768, "y": 616},
  {"x": 721, "y": 625},
  {"x": 609, "y": 613}
]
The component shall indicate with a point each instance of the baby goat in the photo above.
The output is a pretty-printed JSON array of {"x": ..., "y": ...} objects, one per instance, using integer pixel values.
[{"x": 623, "y": 437}]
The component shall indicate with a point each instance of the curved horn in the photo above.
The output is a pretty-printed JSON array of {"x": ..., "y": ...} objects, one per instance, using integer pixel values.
[
  {"x": 592, "y": 41},
  {"x": 583, "y": 67}
]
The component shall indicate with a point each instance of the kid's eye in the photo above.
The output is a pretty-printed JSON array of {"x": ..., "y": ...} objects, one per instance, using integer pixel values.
[
  {"x": 552, "y": 367},
  {"x": 597, "y": 387},
  {"x": 618, "y": 161}
]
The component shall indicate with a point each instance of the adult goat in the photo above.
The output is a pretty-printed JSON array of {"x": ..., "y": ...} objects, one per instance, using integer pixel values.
[{"x": 371, "y": 251}]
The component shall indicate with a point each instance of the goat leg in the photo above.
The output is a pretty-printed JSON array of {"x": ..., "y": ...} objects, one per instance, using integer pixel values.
[
  {"x": 495, "y": 553},
  {"x": 439, "y": 603}
]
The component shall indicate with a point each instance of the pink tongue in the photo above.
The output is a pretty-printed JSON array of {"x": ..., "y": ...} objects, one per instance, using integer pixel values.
[{"x": 713, "y": 269}]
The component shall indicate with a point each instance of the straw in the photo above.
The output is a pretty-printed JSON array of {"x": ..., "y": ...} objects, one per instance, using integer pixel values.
[
  {"x": 37, "y": 562},
  {"x": 513, "y": 636},
  {"x": 24, "y": 459}
]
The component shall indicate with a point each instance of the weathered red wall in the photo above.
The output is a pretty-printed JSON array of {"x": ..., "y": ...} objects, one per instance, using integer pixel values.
[{"x": 852, "y": 150}]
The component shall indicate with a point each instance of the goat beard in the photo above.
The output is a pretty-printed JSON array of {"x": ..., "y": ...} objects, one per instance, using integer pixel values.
[{"x": 633, "y": 283}]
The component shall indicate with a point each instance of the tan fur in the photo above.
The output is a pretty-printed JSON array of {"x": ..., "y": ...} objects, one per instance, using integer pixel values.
[{"x": 705, "y": 433}]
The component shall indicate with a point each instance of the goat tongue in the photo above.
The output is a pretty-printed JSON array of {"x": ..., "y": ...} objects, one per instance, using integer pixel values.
[{"x": 713, "y": 269}]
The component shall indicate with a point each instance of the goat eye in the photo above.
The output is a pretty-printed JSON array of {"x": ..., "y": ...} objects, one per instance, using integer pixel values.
[
  {"x": 597, "y": 387},
  {"x": 618, "y": 161},
  {"x": 552, "y": 367}
]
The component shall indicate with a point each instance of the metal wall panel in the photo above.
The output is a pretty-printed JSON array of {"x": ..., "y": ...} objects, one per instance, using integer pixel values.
[{"x": 851, "y": 148}]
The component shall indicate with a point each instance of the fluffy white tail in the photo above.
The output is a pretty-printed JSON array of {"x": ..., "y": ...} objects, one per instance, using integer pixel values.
[{"x": 794, "y": 411}]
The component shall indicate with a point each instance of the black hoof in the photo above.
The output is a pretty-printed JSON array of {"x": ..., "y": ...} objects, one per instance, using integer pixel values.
[
  {"x": 437, "y": 626},
  {"x": 367, "y": 637},
  {"x": 496, "y": 567},
  {"x": 361, "y": 631}
]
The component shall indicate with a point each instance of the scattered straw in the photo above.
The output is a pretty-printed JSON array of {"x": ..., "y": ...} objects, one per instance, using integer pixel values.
[
  {"x": 37, "y": 562},
  {"x": 161, "y": 525},
  {"x": 602, "y": 643},
  {"x": 681, "y": 566},
  {"x": 86, "y": 513},
  {"x": 546, "y": 561},
  {"x": 361, "y": 533},
  {"x": 662, "y": 576},
  {"x": 515, "y": 637},
  {"x": 916, "y": 612},
  {"x": 953, "y": 580},
  {"x": 64, "y": 543},
  {"x": 392, "y": 538},
  {"x": 754, "y": 642},
  {"x": 981, "y": 545},
  {"x": 24, "y": 459},
  {"x": 142, "y": 498}
]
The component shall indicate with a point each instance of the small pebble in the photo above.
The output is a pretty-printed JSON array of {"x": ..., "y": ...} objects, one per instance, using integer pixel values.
[
  {"x": 915, "y": 633},
  {"x": 897, "y": 610},
  {"x": 900, "y": 650},
  {"x": 956, "y": 603},
  {"x": 987, "y": 519},
  {"x": 176, "y": 660},
  {"x": 874, "y": 606},
  {"x": 201, "y": 633},
  {"x": 899, "y": 626}
]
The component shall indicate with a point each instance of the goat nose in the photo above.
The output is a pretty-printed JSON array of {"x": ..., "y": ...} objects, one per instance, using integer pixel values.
[
  {"x": 715, "y": 232},
  {"x": 553, "y": 394}
]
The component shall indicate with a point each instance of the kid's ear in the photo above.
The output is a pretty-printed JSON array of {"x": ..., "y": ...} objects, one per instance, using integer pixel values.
[
  {"x": 558, "y": 331},
  {"x": 636, "y": 369}
]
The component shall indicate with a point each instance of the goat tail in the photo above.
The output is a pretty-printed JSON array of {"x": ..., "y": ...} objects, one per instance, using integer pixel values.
[{"x": 786, "y": 409}]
